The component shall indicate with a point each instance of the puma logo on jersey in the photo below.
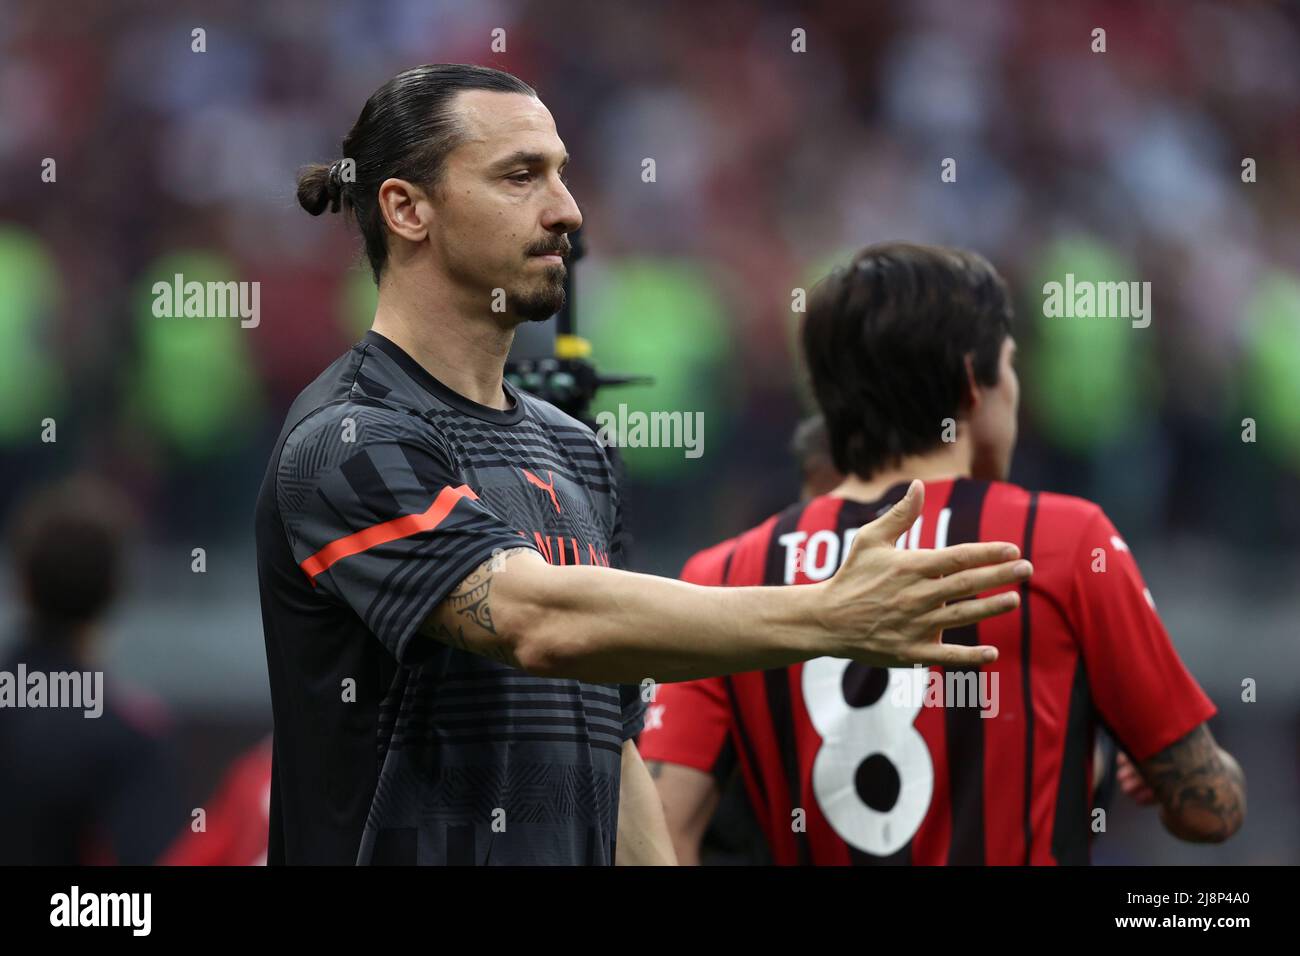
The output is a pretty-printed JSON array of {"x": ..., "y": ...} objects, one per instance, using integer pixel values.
[{"x": 548, "y": 488}]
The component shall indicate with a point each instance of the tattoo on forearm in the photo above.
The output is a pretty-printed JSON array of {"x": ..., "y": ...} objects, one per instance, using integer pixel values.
[
  {"x": 470, "y": 606},
  {"x": 470, "y": 599},
  {"x": 656, "y": 767},
  {"x": 1192, "y": 780}
]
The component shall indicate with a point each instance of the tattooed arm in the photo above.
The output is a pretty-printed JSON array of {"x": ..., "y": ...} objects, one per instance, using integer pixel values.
[
  {"x": 883, "y": 606},
  {"x": 1200, "y": 787},
  {"x": 464, "y": 619}
]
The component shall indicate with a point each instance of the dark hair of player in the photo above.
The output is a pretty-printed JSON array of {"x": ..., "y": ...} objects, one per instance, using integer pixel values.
[
  {"x": 886, "y": 340},
  {"x": 67, "y": 543},
  {"x": 405, "y": 131}
]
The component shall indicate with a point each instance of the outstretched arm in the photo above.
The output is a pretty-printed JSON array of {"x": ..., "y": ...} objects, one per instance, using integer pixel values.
[{"x": 884, "y": 606}]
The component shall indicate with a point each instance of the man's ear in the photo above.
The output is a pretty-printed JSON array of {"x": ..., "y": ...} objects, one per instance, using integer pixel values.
[
  {"x": 406, "y": 209},
  {"x": 971, "y": 393}
]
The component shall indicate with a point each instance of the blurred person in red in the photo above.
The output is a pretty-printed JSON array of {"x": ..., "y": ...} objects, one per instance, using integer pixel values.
[
  {"x": 237, "y": 820},
  {"x": 910, "y": 354},
  {"x": 87, "y": 770}
]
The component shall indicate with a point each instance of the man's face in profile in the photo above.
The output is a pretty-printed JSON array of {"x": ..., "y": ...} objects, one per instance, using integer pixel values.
[{"x": 503, "y": 210}]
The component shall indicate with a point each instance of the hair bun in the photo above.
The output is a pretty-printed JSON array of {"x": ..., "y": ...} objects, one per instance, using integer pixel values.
[{"x": 320, "y": 186}]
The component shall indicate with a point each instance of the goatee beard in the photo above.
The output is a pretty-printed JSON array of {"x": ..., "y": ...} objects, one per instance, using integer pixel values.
[{"x": 540, "y": 305}]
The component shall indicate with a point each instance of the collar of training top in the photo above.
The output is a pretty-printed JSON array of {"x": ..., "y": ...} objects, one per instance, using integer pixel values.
[{"x": 419, "y": 374}]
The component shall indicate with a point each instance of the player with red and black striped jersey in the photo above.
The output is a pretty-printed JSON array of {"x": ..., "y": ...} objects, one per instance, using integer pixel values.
[{"x": 851, "y": 764}]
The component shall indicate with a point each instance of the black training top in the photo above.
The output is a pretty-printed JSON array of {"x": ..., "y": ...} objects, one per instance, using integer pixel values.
[{"x": 385, "y": 490}]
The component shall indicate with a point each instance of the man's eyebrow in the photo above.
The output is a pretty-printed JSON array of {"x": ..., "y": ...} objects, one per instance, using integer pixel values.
[{"x": 523, "y": 157}]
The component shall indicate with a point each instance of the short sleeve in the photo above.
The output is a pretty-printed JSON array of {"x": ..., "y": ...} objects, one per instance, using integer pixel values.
[
  {"x": 688, "y": 724},
  {"x": 710, "y": 566},
  {"x": 385, "y": 525},
  {"x": 1139, "y": 684}
]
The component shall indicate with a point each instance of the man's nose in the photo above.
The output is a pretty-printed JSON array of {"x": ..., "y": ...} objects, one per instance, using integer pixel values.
[{"x": 562, "y": 213}]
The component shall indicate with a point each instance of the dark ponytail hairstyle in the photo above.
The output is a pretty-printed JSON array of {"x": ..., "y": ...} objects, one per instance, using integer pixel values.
[{"x": 405, "y": 131}]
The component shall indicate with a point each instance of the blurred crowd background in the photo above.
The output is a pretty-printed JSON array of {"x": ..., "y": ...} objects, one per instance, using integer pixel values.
[{"x": 771, "y": 165}]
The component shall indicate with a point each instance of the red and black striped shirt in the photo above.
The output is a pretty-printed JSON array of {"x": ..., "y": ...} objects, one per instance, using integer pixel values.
[{"x": 851, "y": 764}]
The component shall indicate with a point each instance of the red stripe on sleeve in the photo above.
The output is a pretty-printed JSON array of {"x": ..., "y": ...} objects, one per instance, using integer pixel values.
[{"x": 386, "y": 531}]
